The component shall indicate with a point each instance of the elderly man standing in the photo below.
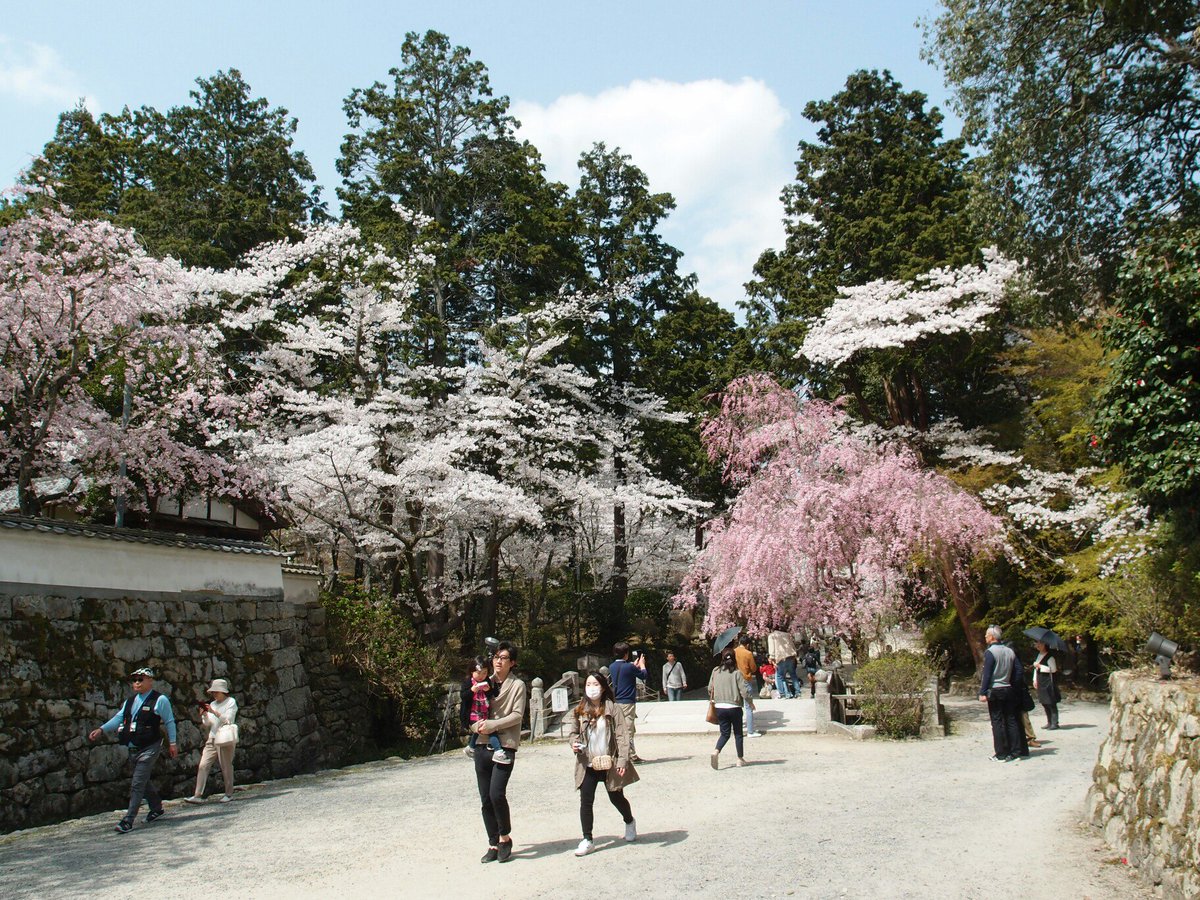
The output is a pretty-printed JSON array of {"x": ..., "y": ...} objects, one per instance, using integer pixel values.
[
  {"x": 1001, "y": 671},
  {"x": 137, "y": 725}
]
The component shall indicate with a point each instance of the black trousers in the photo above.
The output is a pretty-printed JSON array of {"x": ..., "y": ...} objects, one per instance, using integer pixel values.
[
  {"x": 1008, "y": 735},
  {"x": 493, "y": 793},
  {"x": 1051, "y": 714},
  {"x": 587, "y": 797},
  {"x": 730, "y": 720}
]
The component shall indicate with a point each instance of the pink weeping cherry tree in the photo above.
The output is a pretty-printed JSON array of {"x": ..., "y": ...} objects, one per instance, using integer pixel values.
[{"x": 828, "y": 529}]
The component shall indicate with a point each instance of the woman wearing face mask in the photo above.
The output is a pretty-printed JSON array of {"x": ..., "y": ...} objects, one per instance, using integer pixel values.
[{"x": 599, "y": 736}]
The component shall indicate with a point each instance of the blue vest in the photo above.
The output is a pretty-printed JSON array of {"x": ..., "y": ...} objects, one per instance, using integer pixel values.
[{"x": 148, "y": 723}]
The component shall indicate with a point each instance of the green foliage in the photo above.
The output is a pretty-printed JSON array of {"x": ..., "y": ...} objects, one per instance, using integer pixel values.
[
  {"x": 880, "y": 194},
  {"x": 891, "y": 689},
  {"x": 1150, "y": 410},
  {"x": 1084, "y": 110},
  {"x": 371, "y": 635},
  {"x": 202, "y": 182}
]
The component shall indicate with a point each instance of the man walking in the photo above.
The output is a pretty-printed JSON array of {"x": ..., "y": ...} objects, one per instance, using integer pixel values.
[
  {"x": 749, "y": 669},
  {"x": 1001, "y": 671},
  {"x": 505, "y": 715},
  {"x": 137, "y": 725},
  {"x": 674, "y": 678},
  {"x": 624, "y": 677},
  {"x": 781, "y": 650}
]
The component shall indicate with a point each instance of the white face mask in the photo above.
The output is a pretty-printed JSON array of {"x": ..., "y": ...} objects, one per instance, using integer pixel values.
[{"x": 593, "y": 691}]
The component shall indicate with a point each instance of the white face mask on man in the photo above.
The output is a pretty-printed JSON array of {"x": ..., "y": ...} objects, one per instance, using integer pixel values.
[{"x": 593, "y": 691}]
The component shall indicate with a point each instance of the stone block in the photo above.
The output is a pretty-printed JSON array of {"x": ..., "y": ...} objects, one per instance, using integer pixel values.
[
  {"x": 254, "y": 644},
  {"x": 297, "y": 702},
  {"x": 40, "y": 762},
  {"x": 63, "y": 782},
  {"x": 131, "y": 650},
  {"x": 6, "y": 607},
  {"x": 106, "y": 762}
]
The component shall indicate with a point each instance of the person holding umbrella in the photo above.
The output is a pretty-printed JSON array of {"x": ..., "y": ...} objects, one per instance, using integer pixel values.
[{"x": 1045, "y": 682}]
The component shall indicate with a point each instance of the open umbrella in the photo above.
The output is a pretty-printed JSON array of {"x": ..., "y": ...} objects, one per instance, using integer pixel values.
[
  {"x": 725, "y": 637},
  {"x": 1047, "y": 637}
]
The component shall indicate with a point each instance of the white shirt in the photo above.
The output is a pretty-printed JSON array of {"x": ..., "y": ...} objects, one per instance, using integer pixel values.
[
  {"x": 221, "y": 712},
  {"x": 598, "y": 738}
]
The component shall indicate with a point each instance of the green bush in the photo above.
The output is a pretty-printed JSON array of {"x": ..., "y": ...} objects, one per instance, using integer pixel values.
[
  {"x": 891, "y": 690},
  {"x": 370, "y": 633}
]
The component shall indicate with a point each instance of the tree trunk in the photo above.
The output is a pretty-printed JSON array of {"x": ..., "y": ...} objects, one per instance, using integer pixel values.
[{"x": 965, "y": 601}]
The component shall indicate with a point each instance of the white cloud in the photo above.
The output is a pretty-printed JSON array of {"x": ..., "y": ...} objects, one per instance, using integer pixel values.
[
  {"x": 36, "y": 75},
  {"x": 718, "y": 147}
]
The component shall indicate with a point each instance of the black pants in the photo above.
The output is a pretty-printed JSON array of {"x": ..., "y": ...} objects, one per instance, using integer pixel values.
[
  {"x": 1051, "y": 714},
  {"x": 1008, "y": 735},
  {"x": 493, "y": 793},
  {"x": 730, "y": 720},
  {"x": 587, "y": 796}
]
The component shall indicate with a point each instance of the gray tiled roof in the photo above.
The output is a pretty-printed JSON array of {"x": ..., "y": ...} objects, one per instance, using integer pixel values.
[{"x": 137, "y": 536}]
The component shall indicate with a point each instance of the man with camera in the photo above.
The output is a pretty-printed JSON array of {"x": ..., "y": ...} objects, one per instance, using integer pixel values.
[
  {"x": 624, "y": 676},
  {"x": 505, "y": 715}
]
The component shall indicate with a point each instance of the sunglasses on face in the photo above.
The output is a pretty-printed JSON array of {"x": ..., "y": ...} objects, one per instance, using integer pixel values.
[{"x": 137, "y": 678}]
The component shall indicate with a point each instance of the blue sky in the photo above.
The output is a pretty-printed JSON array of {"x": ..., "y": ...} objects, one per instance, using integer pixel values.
[{"x": 707, "y": 97}]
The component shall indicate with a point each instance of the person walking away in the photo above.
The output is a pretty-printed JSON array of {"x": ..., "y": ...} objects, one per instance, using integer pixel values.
[
  {"x": 812, "y": 662},
  {"x": 599, "y": 736},
  {"x": 749, "y": 669},
  {"x": 726, "y": 689},
  {"x": 625, "y": 676},
  {"x": 1001, "y": 670},
  {"x": 506, "y": 712},
  {"x": 781, "y": 651},
  {"x": 473, "y": 707},
  {"x": 1045, "y": 682},
  {"x": 137, "y": 725},
  {"x": 218, "y": 721},
  {"x": 674, "y": 679}
]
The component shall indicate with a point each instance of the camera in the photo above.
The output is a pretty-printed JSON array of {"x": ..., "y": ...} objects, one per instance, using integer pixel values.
[{"x": 634, "y": 654}]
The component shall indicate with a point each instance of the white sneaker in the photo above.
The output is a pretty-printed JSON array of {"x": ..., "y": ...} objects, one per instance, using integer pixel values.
[
  {"x": 501, "y": 758},
  {"x": 228, "y": 798},
  {"x": 193, "y": 799},
  {"x": 631, "y": 830},
  {"x": 585, "y": 847},
  {"x": 755, "y": 734},
  {"x": 468, "y": 751}
]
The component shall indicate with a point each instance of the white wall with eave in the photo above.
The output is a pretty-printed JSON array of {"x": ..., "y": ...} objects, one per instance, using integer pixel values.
[{"x": 84, "y": 564}]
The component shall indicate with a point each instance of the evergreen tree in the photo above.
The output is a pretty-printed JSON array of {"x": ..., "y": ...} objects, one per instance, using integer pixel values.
[{"x": 880, "y": 194}]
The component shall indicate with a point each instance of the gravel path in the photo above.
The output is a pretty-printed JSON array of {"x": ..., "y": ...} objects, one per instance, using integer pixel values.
[{"x": 812, "y": 816}]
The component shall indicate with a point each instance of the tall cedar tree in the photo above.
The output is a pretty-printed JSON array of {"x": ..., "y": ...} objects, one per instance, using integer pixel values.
[
  {"x": 880, "y": 194},
  {"x": 203, "y": 182}
]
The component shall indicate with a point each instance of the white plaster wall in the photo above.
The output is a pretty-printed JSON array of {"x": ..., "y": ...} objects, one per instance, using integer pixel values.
[
  {"x": 299, "y": 587},
  {"x": 73, "y": 561}
]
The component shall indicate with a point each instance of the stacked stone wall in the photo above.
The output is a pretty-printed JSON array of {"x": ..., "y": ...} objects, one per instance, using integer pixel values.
[
  {"x": 63, "y": 668},
  {"x": 1146, "y": 784}
]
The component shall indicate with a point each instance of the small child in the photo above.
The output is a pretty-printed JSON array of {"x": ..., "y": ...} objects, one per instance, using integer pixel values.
[{"x": 481, "y": 688}]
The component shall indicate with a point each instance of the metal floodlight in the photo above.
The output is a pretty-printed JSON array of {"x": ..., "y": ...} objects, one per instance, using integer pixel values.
[
  {"x": 1164, "y": 650},
  {"x": 492, "y": 645}
]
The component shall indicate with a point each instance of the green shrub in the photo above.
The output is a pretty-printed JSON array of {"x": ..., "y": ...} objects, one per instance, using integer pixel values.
[
  {"x": 891, "y": 690},
  {"x": 370, "y": 633}
]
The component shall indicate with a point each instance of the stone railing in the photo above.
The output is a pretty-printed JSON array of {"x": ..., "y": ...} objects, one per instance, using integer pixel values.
[{"x": 1145, "y": 794}]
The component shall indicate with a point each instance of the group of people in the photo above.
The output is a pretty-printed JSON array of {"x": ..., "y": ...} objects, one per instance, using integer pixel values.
[
  {"x": 139, "y": 724},
  {"x": 1004, "y": 690}
]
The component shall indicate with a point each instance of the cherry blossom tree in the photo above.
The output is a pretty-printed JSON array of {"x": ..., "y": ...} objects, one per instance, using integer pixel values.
[
  {"x": 98, "y": 367},
  {"x": 908, "y": 332},
  {"x": 828, "y": 529}
]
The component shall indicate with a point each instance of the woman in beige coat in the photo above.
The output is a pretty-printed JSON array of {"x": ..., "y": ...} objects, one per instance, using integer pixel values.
[{"x": 599, "y": 736}]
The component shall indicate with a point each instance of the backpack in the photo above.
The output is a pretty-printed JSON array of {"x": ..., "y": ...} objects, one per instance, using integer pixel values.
[{"x": 811, "y": 660}]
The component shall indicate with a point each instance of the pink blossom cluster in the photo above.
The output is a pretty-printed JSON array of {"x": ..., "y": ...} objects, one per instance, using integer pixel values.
[{"x": 829, "y": 529}]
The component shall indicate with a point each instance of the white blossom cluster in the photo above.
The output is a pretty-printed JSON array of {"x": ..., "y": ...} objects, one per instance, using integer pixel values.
[{"x": 887, "y": 314}]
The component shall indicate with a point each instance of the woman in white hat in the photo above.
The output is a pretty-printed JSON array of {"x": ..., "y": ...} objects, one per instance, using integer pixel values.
[{"x": 219, "y": 720}]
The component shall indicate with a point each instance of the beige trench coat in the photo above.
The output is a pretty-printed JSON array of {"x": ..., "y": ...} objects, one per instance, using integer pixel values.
[{"x": 618, "y": 741}]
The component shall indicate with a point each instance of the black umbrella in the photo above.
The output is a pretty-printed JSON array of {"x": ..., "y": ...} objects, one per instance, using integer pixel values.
[
  {"x": 1047, "y": 637},
  {"x": 725, "y": 637}
]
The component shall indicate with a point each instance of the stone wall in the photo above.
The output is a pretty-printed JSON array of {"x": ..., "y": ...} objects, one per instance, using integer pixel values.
[
  {"x": 1146, "y": 790},
  {"x": 63, "y": 665}
]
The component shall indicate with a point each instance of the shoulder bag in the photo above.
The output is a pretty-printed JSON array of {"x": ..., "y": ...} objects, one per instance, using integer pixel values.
[{"x": 226, "y": 734}]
